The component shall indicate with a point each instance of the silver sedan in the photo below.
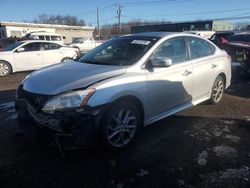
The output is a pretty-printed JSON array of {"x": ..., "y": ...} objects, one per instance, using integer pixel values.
[{"x": 122, "y": 85}]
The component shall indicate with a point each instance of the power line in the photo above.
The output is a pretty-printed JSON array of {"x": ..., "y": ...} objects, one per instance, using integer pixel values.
[
  {"x": 195, "y": 13},
  {"x": 157, "y": 2}
]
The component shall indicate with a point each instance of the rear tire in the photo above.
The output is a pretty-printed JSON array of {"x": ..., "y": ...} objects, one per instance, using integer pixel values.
[
  {"x": 5, "y": 68},
  {"x": 120, "y": 125},
  {"x": 217, "y": 90}
]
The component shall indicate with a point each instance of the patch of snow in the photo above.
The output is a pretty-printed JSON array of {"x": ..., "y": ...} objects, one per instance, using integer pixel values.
[
  {"x": 7, "y": 105},
  {"x": 232, "y": 138},
  {"x": 9, "y": 112},
  {"x": 142, "y": 173},
  {"x": 248, "y": 118},
  {"x": 231, "y": 173},
  {"x": 225, "y": 151},
  {"x": 202, "y": 159},
  {"x": 229, "y": 122},
  {"x": 226, "y": 129}
]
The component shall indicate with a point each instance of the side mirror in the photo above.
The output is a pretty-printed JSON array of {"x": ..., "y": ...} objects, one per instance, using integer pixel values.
[
  {"x": 20, "y": 50},
  {"x": 161, "y": 62}
]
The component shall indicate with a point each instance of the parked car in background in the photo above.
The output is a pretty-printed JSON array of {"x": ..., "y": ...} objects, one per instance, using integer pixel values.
[
  {"x": 31, "y": 55},
  {"x": 221, "y": 37},
  {"x": 42, "y": 35},
  {"x": 238, "y": 47},
  {"x": 122, "y": 85},
  {"x": 84, "y": 44}
]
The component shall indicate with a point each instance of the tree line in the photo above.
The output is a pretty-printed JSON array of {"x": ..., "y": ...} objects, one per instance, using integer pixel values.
[{"x": 109, "y": 30}]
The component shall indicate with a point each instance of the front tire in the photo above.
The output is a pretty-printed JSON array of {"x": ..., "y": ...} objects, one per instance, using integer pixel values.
[
  {"x": 217, "y": 90},
  {"x": 120, "y": 125},
  {"x": 5, "y": 68}
]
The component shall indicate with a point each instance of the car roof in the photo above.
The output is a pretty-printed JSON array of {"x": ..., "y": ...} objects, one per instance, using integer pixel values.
[
  {"x": 152, "y": 34},
  {"x": 44, "y": 41}
]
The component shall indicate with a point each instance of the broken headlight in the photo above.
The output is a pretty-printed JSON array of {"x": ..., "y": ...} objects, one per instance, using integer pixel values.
[{"x": 75, "y": 99}]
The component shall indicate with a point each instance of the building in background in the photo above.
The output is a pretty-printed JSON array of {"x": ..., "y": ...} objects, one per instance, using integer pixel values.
[
  {"x": 18, "y": 29},
  {"x": 209, "y": 25}
]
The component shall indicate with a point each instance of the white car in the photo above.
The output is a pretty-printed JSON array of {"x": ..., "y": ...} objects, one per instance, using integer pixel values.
[
  {"x": 85, "y": 44},
  {"x": 33, "y": 54}
]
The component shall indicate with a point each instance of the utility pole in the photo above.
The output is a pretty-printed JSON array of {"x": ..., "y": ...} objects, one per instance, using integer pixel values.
[
  {"x": 119, "y": 13},
  {"x": 98, "y": 23}
]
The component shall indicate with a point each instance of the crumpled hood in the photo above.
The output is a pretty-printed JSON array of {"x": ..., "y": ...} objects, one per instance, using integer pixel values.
[{"x": 63, "y": 77}]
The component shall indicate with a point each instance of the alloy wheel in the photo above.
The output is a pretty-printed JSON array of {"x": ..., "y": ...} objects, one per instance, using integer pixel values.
[
  {"x": 122, "y": 127},
  {"x": 218, "y": 90},
  {"x": 4, "y": 69}
]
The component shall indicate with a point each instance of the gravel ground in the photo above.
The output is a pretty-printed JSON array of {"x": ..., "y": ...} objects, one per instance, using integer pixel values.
[{"x": 204, "y": 146}]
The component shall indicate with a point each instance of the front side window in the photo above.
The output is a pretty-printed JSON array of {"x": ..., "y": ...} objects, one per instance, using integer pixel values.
[
  {"x": 32, "y": 47},
  {"x": 121, "y": 51},
  {"x": 199, "y": 47},
  {"x": 173, "y": 49},
  {"x": 50, "y": 46}
]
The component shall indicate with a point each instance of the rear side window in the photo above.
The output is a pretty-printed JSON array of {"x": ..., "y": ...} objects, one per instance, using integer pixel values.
[
  {"x": 56, "y": 38},
  {"x": 199, "y": 47},
  {"x": 50, "y": 46}
]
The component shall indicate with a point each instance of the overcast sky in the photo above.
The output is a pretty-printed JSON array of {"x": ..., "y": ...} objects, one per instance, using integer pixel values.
[{"x": 167, "y": 10}]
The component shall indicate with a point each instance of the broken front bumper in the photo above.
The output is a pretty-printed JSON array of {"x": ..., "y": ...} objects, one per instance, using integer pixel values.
[{"x": 70, "y": 128}]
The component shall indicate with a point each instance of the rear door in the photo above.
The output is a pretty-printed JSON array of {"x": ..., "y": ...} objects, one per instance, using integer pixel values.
[
  {"x": 204, "y": 67},
  {"x": 29, "y": 59},
  {"x": 51, "y": 53}
]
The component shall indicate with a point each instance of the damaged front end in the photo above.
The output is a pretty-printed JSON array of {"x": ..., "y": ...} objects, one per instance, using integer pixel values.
[{"x": 70, "y": 129}]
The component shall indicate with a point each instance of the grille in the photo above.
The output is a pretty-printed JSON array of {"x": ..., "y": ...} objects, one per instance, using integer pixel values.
[{"x": 36, "y": 100}]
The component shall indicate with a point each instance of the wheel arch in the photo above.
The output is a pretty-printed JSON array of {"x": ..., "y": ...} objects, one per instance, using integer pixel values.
[{"x": 136, "y": 101}]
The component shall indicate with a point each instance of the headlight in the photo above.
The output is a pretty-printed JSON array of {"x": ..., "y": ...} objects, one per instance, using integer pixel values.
[{"x": 71, "y": 100}]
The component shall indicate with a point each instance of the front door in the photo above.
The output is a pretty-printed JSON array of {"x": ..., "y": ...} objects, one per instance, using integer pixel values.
[
  {"x": 30, "y": 57},
  {"x": 170, "y": 87}
]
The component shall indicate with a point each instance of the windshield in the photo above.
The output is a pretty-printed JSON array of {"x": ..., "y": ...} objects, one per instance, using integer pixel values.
[
  {"x": 13, "y": 46},
  {"x": 240, "y": 38},
  {"x": 121, "y": 51}
]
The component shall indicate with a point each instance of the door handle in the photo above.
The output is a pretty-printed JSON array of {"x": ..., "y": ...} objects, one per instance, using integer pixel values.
[
  {"x": 38, "y": 54},
  {"x": 187, "y": 72},
  {"x": 214, "y": 65}
]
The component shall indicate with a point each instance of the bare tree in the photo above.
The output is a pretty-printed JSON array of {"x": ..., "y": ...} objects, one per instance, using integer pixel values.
[
  {"x": 109, "y": 30},
  {"x": 59, "y": 19},
  {"x": 242, "y": 26}
]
